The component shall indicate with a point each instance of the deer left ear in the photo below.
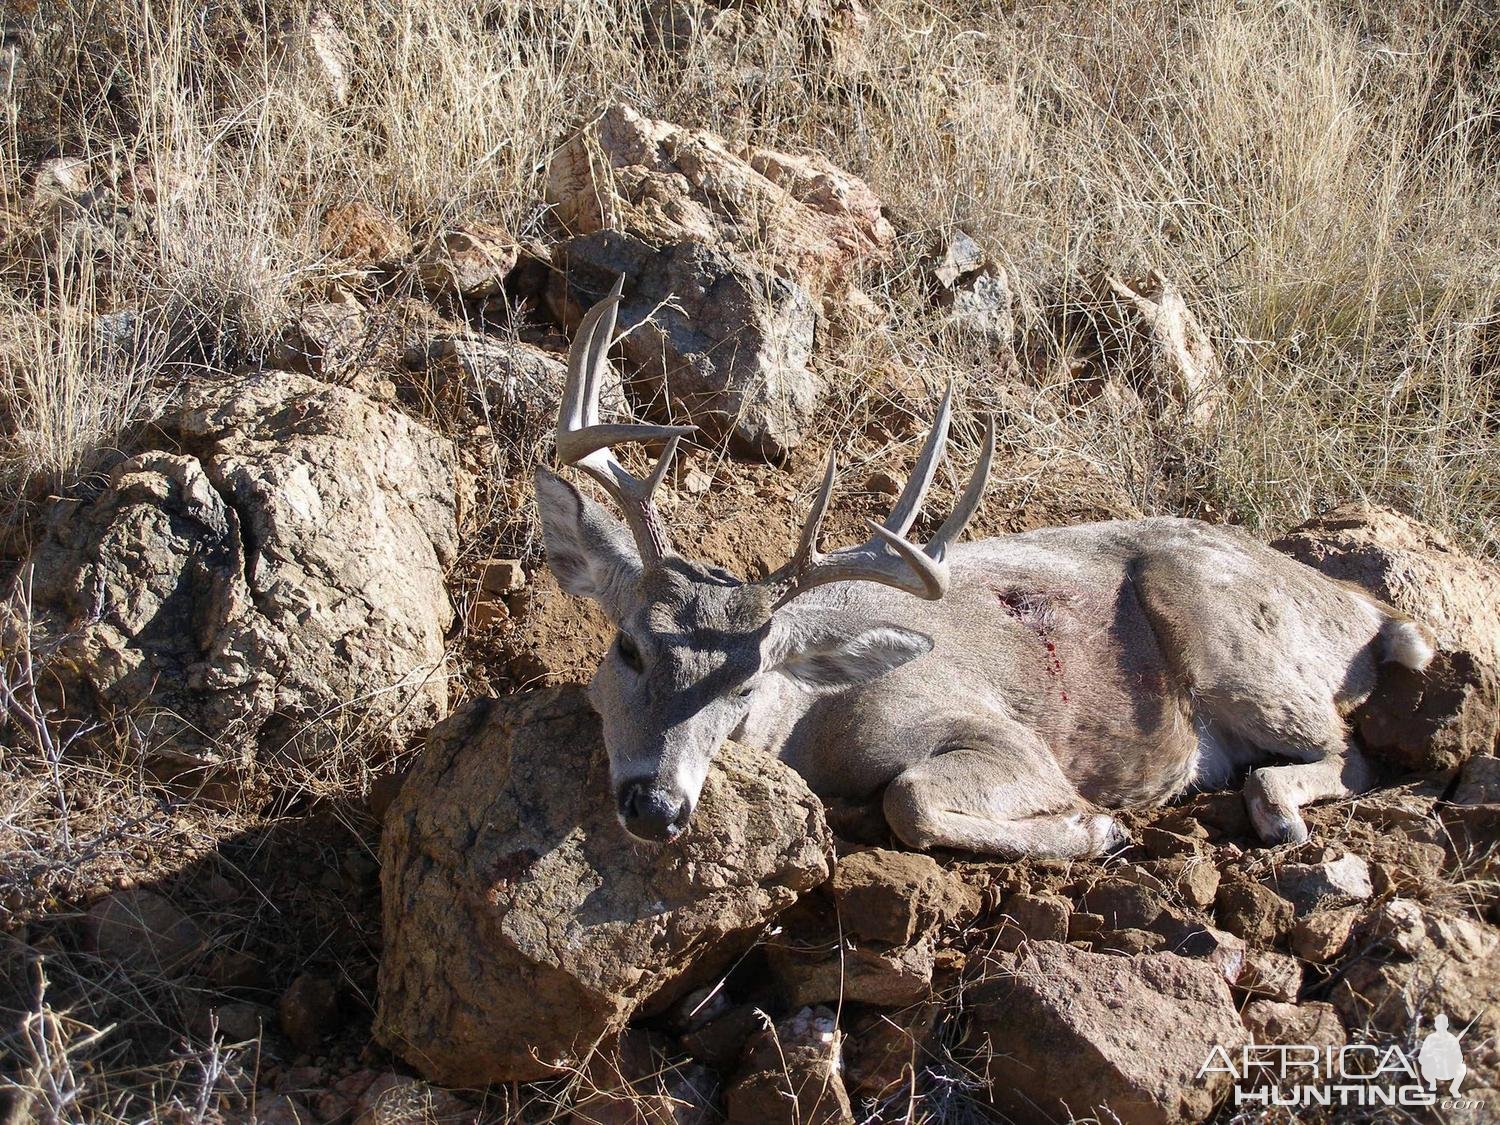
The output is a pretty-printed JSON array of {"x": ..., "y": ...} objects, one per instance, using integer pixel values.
[
  {"x": 824, "y": 657},
  {"x": 591, "y": 553}
]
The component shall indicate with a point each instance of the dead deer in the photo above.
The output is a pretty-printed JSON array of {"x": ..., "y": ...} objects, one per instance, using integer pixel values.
[{"x": 1003, "y": 693}]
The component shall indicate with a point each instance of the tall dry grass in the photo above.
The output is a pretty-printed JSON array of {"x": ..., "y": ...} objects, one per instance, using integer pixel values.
[{"x": 1319, "y": 178}]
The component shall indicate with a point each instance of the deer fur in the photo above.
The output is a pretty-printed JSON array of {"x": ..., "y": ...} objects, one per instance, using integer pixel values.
[{"x": 1060, "y": 674}]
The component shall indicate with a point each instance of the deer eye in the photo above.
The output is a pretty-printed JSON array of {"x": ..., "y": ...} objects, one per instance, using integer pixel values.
[{"x": 628, "y": 652}]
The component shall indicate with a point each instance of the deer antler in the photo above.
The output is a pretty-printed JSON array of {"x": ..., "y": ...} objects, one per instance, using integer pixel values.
[
  {"x": 584, "y": 442},
  {"x": 888, "y": 557}
]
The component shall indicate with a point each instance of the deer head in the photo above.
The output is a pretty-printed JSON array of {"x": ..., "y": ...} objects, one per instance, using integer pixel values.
[{"x": 698, "y": 651}]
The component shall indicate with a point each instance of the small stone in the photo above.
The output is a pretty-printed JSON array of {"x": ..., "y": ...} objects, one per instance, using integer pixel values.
[
  {"x": 894, "y": 978},
  {"x": 1321, "y": 936},
  {"x": 486, "y": 614},
  {"x": 308, "y": 1011},
  {"x": 1195, "y": 880},
  {"x": 1034, "y": 917},
  {"x": 883, "y": 483},
  {"x": 1161, "y": 844},
  {"x": 501, "y": 576},
  {"x": 1253, "y": 912},
  {"x": 395, "y": 1097},
  {"x": 278, "y": 1109},
  {"x": 695, "y": 481},
  {"x": 720, "y": 1042},
  {"x": 1276, "y": 1022},
  {"x": 891, "y": 896},
  {"x": 1397, "y": 925},
  {"x": 240, "y": 1022},
  {"x": 361, "y": 232},
  {"x": 884, "y": 1050},
  {"x": 1129, "y": 941},
  {"x": 1083, "y": 926},
  {"x": 1124, "y": 904},
  {"x": 1331, "y": 883},
  {"x": 470, "y": 262},
  {"x": 1275, "y": 976},
  {"x": 142, "y": 931},
  {"x": 791, "y": 1074},
  {"x": 1479, "y": 784}
]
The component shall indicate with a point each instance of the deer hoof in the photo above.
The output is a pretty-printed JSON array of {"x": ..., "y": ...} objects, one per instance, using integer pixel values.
[
  {"x": 1107, "y": 833},
  {"x": 1276, "y": 819}
]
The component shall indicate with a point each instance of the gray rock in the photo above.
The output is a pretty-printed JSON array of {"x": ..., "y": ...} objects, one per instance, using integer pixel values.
[
  {"x": 1334, "y": 882},
  {"x": 792, "y": 1075},
  {"x": 268, "y": 591},
  {"x": 1130, "y": 1034},
  {"x": 1480, "y": 782},
  {"x": 142, "y": 931},
  {"x": 727, "y": 343},
  {"x": 522, "y": 926}
]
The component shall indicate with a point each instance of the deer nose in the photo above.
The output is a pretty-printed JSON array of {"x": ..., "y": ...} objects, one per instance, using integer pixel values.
[{"x": 651, "y": 812}]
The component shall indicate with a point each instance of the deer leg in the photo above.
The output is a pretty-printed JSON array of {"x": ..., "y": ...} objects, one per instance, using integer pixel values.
[
  {"x": 1010, "y": 801},
  {"x": 1275, "y": 794}
]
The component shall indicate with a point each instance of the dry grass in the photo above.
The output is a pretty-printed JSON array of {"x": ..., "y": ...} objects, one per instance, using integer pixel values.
[{"x": 1322, "y": 180}]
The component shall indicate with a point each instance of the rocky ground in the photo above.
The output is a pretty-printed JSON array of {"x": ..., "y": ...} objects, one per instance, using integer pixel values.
[{"x": 302, "y": 813}]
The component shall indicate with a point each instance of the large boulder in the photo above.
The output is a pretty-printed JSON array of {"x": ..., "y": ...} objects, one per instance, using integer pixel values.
[
  {"x": 717, "y": 341},
  {"x": 1435, "y": 719},
  {"x": 270, "y": 592},
  {"x": 667, "y": 184},
  {"x": 522, "y": 926},
  {"x": 1131, "y": 1034}
]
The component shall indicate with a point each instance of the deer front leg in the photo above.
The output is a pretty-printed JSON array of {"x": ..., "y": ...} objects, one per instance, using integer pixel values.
[
  {"x": 1007, "y": 799},
  {"x": 1274, "y": 795}
]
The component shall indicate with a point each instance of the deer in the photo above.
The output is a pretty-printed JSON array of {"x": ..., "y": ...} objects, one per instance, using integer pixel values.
[{"x": 1005, "y": 696}]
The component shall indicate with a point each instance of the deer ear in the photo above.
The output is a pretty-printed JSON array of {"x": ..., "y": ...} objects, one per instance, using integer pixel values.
[
  {"x": 825, "y": 656},
  {"x": 590, "y": 552}
]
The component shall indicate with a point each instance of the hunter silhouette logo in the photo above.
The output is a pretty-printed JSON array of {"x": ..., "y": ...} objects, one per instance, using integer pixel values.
[{"x": 1441, "y": 1058}]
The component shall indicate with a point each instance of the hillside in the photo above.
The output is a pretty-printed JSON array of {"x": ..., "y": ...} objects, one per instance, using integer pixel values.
[{"x": 286, "y": 293}]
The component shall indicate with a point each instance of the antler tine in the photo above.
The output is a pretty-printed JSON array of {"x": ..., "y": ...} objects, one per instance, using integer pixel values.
[
  {"x": 888, "y": 557},
  {"x": 909, "y": 503},
  {"x": 968, "y": 503},
  {"x": 584, "y": 442}
]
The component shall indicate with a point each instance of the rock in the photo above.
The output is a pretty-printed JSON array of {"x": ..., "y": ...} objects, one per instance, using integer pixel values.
[
  {"x": 957, "y": 256},
  {"x": 791, "y": 1074},
  {"x": 720, "y": 1042},
  {"x": 1129, "y": 941},
  {"x": 1333, "y": 882},
  {"x": 143, "y": 932},
  {"x": 278, "y": 1109},
  {"x": 522, "y": 926},
  {"x": 726, "y": 343},
  {"x": 1397, "y": 925},
  {"x": 1253, "y": 912},
  {"x": 980, "y": 308},
  {"x": 308, "y": 1011},
  {"x": 1083, "y": 926},
  {"x": 324, "y": 339},
  {"x": 885, "y": 1051},
  {"x": 664, "y": 185},
  {"x": 637, "y": 1082},
  {"x": 501, "y": 576},
  {"x": 1123, "y": 904},
  {"x": 1099, "y": 1012},
  {"x": 1275, "y": 976},
  {"x": 240, "y": 1022},
  {"x": 1278, "y": 1023},
  {"x": 394, "y": 1098},
  {"x": 470, "y": 262},
  {"x": 1436, "y": 719},
  {"x": 269, "y": 592},
  {"x": 1032, "y": 917},
  {"x": 1456, "y": 973},
  {"x": 1183, "y": 367},
  {"x": 1195, "y": 882},
  {"x": 363, "y": 233},
  {"x": 1479, "y": 784},
  {"x": 1162, "y": 844},
  {"x": 1321, "y": 936},
  {"x": 891, "y": 978},
  {"x": 893, "y": 897}
]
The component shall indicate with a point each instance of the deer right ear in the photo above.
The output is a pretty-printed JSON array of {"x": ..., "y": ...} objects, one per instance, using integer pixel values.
[{"x": 591, "y": 553}]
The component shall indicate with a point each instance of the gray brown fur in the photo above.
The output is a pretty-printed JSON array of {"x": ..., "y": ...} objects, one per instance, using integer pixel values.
[{"x": 1065, "y": 672}]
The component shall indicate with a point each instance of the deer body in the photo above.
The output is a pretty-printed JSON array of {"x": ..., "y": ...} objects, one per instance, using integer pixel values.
[{"x": 1035, "y": 680}]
